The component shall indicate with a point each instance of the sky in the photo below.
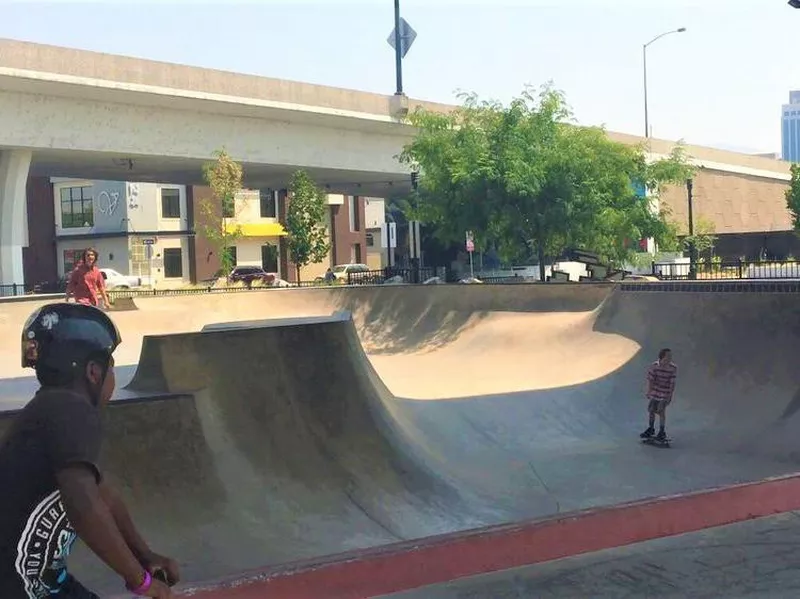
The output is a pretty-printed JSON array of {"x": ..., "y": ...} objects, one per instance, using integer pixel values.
[{"x": 720, "y": 84}]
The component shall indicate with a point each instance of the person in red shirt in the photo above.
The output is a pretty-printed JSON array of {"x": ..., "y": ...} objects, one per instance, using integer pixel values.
[{"x": 86, "y": 282}]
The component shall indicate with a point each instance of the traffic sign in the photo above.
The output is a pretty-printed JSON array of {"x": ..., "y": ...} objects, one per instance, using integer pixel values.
[
  {"x": 407, "y": 37},
  {"x": 470, "y": 242},
  {"x": 149, "y": 241}
]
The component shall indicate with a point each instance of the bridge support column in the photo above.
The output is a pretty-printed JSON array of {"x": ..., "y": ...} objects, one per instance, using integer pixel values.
[{"x": 14, "y": 168}]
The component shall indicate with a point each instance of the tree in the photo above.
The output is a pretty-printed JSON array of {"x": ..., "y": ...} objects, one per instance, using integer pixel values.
[
  {"x": 305, "y": 222},
  {"x": 704, "y": 237},
  {"x": 224, "y": 177},
  {"x": 527, "y": 180},
  {"x": 793, "y": 197}
]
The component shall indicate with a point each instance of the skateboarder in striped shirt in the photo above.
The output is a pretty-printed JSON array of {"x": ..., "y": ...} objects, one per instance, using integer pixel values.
[{"x": 661, "y": 377}]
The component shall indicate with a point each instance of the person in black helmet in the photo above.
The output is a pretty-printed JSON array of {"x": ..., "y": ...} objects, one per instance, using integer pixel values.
[{"x": 51, "y": 489}]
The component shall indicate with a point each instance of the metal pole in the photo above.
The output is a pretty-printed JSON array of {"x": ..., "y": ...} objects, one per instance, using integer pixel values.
[
  {"x": 398, "y": 49},
  {"x": 644, "y": 65},
  {"x": 646, "y": 116},
  {"x": 471, "y": 268},
  {"x": 692, "y": 252}
]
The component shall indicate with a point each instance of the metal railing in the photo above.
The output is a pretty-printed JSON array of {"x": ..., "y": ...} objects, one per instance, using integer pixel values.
[
  {"x": 722, "y": 270},
  {"x": 390, "y": 274}
]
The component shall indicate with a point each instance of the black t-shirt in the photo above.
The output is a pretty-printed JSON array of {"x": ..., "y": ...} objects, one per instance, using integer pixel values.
[{"x": 56, "y": 429}]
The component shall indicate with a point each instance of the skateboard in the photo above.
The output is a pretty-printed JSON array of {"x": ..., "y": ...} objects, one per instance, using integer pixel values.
[{"x": 653, "y": 441}]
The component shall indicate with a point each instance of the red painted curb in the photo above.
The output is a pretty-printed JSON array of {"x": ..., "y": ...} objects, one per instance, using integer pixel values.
[{"x": 433, "y": 560}]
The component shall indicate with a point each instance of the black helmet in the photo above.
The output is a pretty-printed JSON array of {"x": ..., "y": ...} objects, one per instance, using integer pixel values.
[{"x": 63, "y": 336}]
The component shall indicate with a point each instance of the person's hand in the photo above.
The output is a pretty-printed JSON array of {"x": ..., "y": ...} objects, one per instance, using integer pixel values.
[{"x": 155, "y": 562}]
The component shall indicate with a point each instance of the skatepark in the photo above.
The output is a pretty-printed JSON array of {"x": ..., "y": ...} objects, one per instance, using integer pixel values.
[{"x": 264, "y": 429}]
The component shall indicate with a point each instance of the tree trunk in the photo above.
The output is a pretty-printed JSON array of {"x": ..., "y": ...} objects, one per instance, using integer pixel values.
[
  {"x": 540, "y": 251},
  {"x": 540, "y": 248},
  {"x": 297, "y": 272}
]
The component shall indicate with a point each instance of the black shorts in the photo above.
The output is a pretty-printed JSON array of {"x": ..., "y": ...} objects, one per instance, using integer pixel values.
[
  {"x": 72, "y": 589},
  {"x": 657, "y": 406}
]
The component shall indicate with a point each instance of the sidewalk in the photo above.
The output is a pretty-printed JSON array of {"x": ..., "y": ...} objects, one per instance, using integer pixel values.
[{"x": 754, "y": 559}]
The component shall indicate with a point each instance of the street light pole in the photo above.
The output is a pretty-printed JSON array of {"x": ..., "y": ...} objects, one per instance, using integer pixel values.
[
  {"x": 690, "y": 216},
  {"x": 644, "y": 65},
  {"x": 398, "y": 49}
]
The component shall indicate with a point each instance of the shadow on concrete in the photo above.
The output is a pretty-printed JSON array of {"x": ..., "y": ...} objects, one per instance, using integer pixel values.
[{"x": 395, "y": 320}]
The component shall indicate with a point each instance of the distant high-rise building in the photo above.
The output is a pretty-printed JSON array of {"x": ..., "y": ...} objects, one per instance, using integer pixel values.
[{"x": 790, "y": 130}]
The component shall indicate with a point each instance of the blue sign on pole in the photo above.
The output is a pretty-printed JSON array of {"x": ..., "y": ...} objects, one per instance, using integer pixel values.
[{"x": 407, "y": 37}]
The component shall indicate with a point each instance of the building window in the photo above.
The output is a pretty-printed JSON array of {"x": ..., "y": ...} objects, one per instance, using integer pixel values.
[
  {"x": 269, "y": 203},
  {"x": 71, "y": 258},
  {"x": 355, "y": 253},
  {"x": 173, "y": 263},
  {"x": 370, "y": 240},
  {"x": 77, "y": 207},
  {"x": 170, "y": 202},
  {"x": 352, "y": 203}
]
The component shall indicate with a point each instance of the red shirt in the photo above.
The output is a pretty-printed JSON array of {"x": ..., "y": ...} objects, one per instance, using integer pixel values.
[
  {"x": 662, "y": 380},
  {"x": 85, "y": 283}
]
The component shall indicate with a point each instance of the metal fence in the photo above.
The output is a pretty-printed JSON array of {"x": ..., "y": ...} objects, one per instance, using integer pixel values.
[
  {"x": 665, "y": 271},
  {"x": 722, "y": 270},
  {"x": 408, "y": 276}
]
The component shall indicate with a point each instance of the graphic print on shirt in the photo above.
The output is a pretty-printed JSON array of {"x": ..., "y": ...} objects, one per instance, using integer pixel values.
[{"x": 43, "y": 548}]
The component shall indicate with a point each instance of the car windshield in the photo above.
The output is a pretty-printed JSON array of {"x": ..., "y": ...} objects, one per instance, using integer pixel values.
[{"x": 339, "y": 268}]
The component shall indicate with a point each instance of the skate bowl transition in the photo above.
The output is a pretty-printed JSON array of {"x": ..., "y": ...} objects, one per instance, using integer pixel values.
[{"x": 297, "y": 425}]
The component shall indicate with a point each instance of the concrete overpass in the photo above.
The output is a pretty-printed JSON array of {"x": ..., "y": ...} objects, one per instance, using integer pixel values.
[{"x": 74, "y": 113}]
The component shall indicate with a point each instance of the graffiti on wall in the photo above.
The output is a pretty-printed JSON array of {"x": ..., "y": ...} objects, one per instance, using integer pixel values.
[{"x": 107, "y": 202}]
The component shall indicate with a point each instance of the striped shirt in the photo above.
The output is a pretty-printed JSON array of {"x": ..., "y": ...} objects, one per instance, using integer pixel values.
[{"x": 661, "y": 379}]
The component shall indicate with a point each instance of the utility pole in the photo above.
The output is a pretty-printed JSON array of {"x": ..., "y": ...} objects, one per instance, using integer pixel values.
[{"x": 692, "y": 251}]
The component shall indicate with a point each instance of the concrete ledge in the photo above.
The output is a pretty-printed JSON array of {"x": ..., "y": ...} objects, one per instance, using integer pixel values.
[
  {"x": 268, "y": 323},
  {"x": 716, "y": 286},
  {"x": 415, "y": 564}
]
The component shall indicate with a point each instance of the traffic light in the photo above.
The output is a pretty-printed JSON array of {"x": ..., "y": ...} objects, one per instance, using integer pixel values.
[{"x": 415, "y": 175}]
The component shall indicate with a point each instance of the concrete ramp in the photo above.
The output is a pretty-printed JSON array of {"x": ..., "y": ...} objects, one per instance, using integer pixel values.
[
  {"x": 284, "y": 451},
  {"x": 292, "y": 445}
]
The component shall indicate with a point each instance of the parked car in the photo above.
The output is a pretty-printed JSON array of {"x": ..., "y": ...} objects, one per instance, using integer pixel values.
[
  {"x": 249, "y": 274},
  {"x": 115, "y": 280},
  {"x": 340, "y": 271}
]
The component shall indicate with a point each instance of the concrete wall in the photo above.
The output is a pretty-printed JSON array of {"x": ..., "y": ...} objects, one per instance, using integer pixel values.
[
  {"x": 145, "y": 208},
  {"x": 113, "y": 127},
  {"x": 206, "y": 262},
  {"x": 376, "y": 255},
  {"x": 110, "y": 209},
  {"x": 124, "y": 69},
  {"x": 735, "y": 203},
  {"x": 164, "y": 242},
  {"x": 348, "y": 230},
  {"x": 112, "y": 252},
  {"x": 374, "y": 212}
]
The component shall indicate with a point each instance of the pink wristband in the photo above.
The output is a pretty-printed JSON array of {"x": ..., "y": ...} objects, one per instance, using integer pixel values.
[{"x": 144, "y": 587}]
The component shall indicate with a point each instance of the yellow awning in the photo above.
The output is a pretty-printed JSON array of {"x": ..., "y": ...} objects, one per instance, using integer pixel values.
[{"x": 257, "y": 229}]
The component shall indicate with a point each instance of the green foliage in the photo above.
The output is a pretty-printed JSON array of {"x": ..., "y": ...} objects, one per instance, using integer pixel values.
[
  {"x": 305, "y": 222},
  {"x": 526, "y": 179},
  {"x": 224, "y": 177},
  {"x": 703, "y": 238},
  {"x": 793, "y": 197}
]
